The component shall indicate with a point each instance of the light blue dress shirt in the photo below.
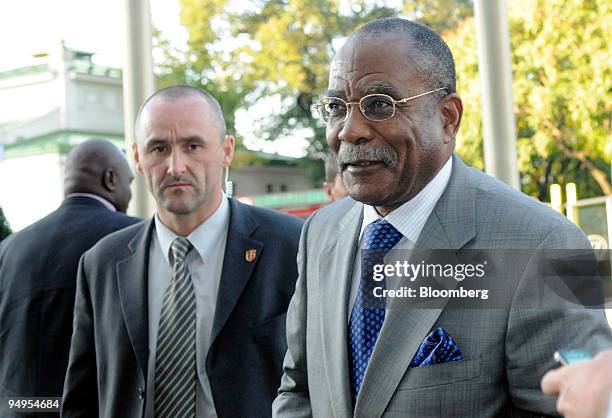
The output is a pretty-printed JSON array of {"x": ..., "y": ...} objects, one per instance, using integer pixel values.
[{"x": 204, "y": 265}]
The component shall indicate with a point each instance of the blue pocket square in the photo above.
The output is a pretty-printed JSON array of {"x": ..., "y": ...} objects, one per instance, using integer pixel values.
[{"x": 438, "y": 347}]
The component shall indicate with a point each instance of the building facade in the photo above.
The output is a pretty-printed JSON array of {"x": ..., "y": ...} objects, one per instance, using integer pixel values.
[{"x": 63, "y": 98}]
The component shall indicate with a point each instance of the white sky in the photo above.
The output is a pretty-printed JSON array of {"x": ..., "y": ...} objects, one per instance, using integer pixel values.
[
  {"x": 91, "y": 25},
  {"x": 31, "y": 26}
]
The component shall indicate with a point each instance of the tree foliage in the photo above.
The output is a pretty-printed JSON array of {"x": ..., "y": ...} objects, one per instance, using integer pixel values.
[
  {"x": 440, "y": 15},
  {"x": 5, "y": 229},
  {"x": 246, "y": 52},
  {"x": 562, "y": 81}
]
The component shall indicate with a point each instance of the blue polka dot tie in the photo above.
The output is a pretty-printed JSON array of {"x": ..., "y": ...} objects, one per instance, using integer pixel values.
[{"x": 368, "y": 311}]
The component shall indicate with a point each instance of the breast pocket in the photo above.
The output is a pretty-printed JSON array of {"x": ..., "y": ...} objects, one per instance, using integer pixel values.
[{"x": 440, "y": 374}]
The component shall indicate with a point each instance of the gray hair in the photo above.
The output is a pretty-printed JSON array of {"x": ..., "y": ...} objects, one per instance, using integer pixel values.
[{"x": 436, "y": 63}]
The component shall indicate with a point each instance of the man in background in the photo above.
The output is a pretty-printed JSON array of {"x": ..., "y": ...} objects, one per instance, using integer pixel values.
[
  {"x": 184, "y": 315},
  {"x": 333, "y": 185},
  {"x": 38, "y": 267}
]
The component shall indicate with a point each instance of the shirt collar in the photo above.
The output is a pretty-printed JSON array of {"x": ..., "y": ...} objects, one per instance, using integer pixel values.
[
  {"x": 410, "y": 218},
  {"x": 204, "y": 238},
  {"x": 100, "y": 199}
]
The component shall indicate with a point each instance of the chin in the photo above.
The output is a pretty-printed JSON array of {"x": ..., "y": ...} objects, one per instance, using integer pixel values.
[
  {"x": 368, "y": 197},
  {"x": 377, "y": 195},
  {"x": 178, "y": 206}
]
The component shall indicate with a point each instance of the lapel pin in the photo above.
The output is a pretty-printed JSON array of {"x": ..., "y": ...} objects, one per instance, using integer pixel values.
[{"x": 250, "y": 255}]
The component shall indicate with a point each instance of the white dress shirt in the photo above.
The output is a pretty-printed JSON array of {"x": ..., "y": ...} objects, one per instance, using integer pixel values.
[
  {"x": 409, "y": 219},
  {"x": 204, "y": 262}
]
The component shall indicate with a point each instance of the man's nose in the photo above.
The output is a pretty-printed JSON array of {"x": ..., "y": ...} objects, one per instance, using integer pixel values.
[
  {"x": 356, "y": 128},
  {"x": 177, "y": 164}
]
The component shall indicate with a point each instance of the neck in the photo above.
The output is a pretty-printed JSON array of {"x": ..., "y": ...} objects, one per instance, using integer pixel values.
[
  {"x": 387, "y": 209},
  {"x": 413, "y": 191},
  {"x": 184, "y": 224}
]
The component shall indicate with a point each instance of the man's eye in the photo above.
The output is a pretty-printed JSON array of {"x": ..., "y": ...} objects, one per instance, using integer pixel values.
[
  {"x": 159, "y": 149},
  {"x": 335, "y": 106},
  {"x": 379, "y": 103},
  {"x": 194, "y": 146}
]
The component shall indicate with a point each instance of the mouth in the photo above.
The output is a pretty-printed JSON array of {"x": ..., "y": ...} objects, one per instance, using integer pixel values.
[
  {"x": 177, "y": 185},
  {"x": 363, "y": 166}
]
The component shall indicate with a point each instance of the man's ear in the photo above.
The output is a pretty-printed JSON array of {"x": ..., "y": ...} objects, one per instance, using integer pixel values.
[
  {"x": 228, "y": 150},
  {"x": 136, "y": 157},
  {"x": 109, "y": 180},
  {"x": 452, "y": 111},
  {"x": 327, "y": 186}
]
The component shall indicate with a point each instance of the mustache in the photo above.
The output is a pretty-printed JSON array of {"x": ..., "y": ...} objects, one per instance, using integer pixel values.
[
  {"x": 168, "y": 180},
  {"x": 348, "y": 154}
]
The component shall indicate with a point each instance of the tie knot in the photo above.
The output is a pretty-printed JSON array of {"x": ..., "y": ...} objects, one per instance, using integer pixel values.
[
  {"x": 380, "y": 235},
  {"x": 180, "y": 247}
]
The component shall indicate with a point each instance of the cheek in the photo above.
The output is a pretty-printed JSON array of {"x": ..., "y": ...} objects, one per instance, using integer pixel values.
[
  {"x": 208, "y": 168},
  {"x": 153, "y": 171},
  {"x": 331, "y": 137}
]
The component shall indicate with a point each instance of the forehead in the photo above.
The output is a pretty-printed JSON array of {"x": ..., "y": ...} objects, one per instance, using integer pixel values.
[
  {"x": 186, "y": 116},
  {"x": 375, "y": 60}
]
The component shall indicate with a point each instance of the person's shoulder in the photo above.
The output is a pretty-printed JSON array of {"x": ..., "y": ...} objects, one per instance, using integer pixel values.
[
  {"x": 119, "y": 240},
  {"x": 505, "y": 209},
  {"x": 122, "y": 219},
  {"x": 36, "y": 231},
  {"x": 333, "y": 213},
  {"x": 270, "y": 218}
]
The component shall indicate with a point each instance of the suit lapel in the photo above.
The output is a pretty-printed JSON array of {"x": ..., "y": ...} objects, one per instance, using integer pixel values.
[
  {"x": 132, "y": 282},
  {"x": 237, "y": 269},
  {"x": 450, "y": 226},
  {"x": 335, "y": 277}
]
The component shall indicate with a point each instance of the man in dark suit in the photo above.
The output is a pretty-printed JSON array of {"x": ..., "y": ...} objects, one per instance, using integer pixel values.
[
  {"x": 38, "y": 267},
  {"x": 183, "y": 315}
]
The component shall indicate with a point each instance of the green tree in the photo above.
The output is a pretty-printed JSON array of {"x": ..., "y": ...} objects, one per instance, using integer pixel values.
[
  {"x": 562, "y": 81},
  {"x": 282, "y": 48},
  {"x": 440, "y": 15},
  {"x": 5, "y": 229},
  {"x": 276, "y": 48}
]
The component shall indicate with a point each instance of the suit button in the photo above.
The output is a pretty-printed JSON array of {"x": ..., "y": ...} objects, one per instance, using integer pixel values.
[{"x": 140, "y": 393}]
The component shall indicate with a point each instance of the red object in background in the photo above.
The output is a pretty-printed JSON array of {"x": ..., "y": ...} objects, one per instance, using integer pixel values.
[{"x": 301, "y": 212}]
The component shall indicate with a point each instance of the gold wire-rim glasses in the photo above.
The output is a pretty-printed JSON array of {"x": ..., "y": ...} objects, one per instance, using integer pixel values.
[{"x": 320, "y": 106}]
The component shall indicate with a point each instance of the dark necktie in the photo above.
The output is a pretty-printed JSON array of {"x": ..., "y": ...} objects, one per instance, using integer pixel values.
[
  {"x": 175, "y": 361},
  {"x": 368, "y": 311}
]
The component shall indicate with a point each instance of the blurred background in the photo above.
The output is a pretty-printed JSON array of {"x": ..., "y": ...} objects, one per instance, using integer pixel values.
[{"x": 267, "y": 62}]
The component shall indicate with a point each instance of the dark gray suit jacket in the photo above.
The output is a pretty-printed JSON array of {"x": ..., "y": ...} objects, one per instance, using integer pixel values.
[
  {"x": 108, "y": 355},
  {"x": 38, "y": 269},
  {"x": 507, "y": 343}
]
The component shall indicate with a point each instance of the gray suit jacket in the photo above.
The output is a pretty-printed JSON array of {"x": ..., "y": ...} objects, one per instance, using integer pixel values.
[{"x": 507, "y": 345}]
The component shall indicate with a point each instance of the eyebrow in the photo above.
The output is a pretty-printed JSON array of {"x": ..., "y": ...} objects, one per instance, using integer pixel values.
[
  {"x": 381, "y": 88},
  {"x": 160, "y": 141},
  {"x": 336, "y": 93},
  {"x": 154, "y": 142}
]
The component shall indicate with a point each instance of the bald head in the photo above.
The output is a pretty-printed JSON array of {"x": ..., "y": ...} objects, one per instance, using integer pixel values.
[
  {"x": 99, "y": 167},
  {"x": 180, "y": 92}
]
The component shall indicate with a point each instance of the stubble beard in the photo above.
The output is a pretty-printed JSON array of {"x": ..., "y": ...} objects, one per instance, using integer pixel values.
[{"x": 181, "y": 203}]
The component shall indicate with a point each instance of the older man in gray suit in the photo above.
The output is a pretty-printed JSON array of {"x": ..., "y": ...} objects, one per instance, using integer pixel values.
[{"x": 392, "y": 114}]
